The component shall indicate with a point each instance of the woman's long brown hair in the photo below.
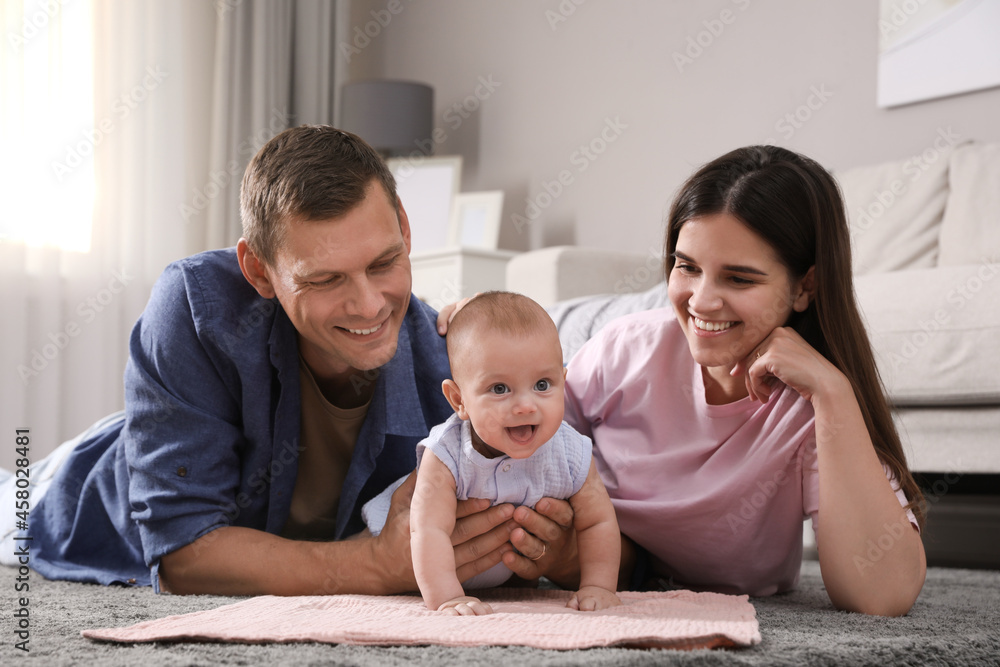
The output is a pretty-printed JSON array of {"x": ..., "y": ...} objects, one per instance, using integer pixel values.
[{"x": 794, "y": 204}]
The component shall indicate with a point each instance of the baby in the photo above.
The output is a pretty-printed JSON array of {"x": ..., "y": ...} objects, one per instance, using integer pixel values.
[{"x": 507, "y": 442}]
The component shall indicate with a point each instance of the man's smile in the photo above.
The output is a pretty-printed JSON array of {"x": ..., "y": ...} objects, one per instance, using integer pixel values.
[{"x": 365, "y": 332}]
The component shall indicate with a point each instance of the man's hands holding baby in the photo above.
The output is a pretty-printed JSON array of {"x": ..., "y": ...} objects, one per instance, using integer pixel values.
[
  {"x": 480, "y": 538},
  {"x": 545, "y": 543},
  {"x": 483, "y": 536}
]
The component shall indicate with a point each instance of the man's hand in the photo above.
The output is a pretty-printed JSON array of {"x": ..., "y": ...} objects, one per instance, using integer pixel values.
[
  {"x": 545, "y": 543},
  {"x": 391, "y": 549},
  {"x": 480, "y": 538},
  {"x": 448, "y": 313}
]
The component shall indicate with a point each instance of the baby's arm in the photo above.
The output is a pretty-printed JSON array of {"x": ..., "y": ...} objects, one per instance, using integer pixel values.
[
  {"x": 599, "y": 544},
  {"x": 432, "y": 520}
]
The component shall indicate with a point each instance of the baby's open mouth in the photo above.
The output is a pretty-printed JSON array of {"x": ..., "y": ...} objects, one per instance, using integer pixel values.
[{"x": 521, "y": 433}]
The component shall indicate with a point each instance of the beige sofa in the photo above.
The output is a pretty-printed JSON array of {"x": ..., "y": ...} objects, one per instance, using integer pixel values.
[{"x": 926, "y": 233}]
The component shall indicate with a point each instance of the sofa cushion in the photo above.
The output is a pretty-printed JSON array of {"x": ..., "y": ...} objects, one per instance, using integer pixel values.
[
  {"x": 970, "y": 231},
  {"x": 895, "y": 211},
  {"x": 580, "y": 318},
  {"x": 936, "y": 333}
]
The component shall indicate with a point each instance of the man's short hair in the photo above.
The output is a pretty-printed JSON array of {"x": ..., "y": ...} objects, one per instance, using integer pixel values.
[
  {"x": 509, "y": 313},
  {"x": 310, "y": 172}
]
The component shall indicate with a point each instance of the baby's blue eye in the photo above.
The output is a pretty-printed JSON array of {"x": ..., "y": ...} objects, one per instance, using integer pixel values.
[
  {"x": 499, "y": 389},
  {"x": 542, "y": 385}
]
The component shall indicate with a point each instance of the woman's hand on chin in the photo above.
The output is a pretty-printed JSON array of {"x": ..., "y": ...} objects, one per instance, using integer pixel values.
[{"x": 785, "y": 355}]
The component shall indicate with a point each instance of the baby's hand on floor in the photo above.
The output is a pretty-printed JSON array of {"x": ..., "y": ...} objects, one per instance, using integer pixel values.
[
  {"x": 592, "y": 598},
  {"x": 465, "y": 606}
]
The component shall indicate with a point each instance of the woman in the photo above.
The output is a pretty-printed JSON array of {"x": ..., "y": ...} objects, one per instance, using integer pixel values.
[{"x": 755, "y": 401}]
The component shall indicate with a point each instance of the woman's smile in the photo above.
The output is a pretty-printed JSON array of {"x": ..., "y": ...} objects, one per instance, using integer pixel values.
[{"x": 710, "y": 326}]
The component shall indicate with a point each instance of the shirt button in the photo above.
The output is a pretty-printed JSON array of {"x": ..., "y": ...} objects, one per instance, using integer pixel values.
[
  {"x": 506, "y": 468},
  {"x": 182, "y": 471}
]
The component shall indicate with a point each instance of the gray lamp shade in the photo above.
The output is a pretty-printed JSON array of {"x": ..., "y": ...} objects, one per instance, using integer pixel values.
[{"x": 392, "y": 116}]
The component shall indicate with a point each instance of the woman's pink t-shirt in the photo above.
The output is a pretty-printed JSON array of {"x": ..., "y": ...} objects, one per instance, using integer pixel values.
[{"x": 717, "y": 494}]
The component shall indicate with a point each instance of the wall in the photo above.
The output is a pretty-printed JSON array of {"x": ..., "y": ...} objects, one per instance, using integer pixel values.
[{"x": 561, "y": 75}]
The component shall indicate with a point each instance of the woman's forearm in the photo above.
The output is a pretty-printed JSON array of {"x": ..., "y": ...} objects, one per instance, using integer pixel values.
[{"x": 871, "y": 557}]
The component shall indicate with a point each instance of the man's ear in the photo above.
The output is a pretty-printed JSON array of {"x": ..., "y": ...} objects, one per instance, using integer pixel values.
[
  {"x": 404, "y": 223},
  {"x": 254, "y": 270},
  {"x": 806, "y": 291},
  {"x": 454, "y": 396}
]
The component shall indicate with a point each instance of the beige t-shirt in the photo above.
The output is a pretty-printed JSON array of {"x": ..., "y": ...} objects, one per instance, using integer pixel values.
[{"x": 327, "y": 442}]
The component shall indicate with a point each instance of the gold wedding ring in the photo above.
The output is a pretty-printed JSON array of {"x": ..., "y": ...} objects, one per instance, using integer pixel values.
[{"x": 541, "y": 554}]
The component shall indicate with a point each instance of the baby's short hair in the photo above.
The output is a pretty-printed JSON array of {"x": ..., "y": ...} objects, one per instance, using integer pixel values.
[{"x": 507, "y": 312}]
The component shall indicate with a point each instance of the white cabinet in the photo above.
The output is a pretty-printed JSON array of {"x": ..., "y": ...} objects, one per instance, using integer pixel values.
[{"x": 444, "y": 276}]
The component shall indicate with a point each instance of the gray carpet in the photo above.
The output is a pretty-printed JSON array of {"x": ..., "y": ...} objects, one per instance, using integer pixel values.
[{"x": 956, "y": 621}]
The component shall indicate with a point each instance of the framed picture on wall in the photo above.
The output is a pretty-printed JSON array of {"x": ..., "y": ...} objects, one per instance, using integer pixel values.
[
  {"x": 934, "y": 48},
  {"x": 475, "y": 220},
  {"x": 427, "y": 187}
]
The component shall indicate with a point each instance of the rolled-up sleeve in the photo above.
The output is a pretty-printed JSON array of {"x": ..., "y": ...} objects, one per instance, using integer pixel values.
[{"x": 181, "y": 438}]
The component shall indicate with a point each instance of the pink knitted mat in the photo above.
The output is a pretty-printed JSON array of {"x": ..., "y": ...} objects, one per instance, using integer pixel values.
[{"x": 522, "y": 617}]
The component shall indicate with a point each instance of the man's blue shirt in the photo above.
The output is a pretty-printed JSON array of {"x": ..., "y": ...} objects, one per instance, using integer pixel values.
[{"x": 210, "y": 433}]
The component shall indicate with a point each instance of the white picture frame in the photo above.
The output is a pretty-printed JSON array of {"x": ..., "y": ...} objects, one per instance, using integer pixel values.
[
  {"x": 475, "y": 221},
  {"x": 427, "y": 187},
  {"x": 936, "y": 48}
]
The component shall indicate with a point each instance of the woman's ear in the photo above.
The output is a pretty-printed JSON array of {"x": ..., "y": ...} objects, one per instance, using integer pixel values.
[
  {"x": 806, "y": 291},
  {"x": 454, "y": 395},
  {"x": 254, "y": 270}
]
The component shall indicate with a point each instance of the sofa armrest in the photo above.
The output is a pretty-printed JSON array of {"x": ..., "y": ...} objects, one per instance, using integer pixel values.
[{"x": 559, "y": 273}]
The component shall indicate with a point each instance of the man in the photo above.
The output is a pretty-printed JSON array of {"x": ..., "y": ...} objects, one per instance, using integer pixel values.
[{"x": 271, "y": 390}]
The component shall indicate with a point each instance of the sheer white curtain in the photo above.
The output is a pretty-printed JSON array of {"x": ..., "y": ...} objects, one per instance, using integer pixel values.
[
  {"x": 274, "y": 68},
  {"x": 183, "y": 94}
]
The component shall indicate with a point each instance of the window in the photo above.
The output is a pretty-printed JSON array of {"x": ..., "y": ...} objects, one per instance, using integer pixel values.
[{"x": 47, "y": 126}]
